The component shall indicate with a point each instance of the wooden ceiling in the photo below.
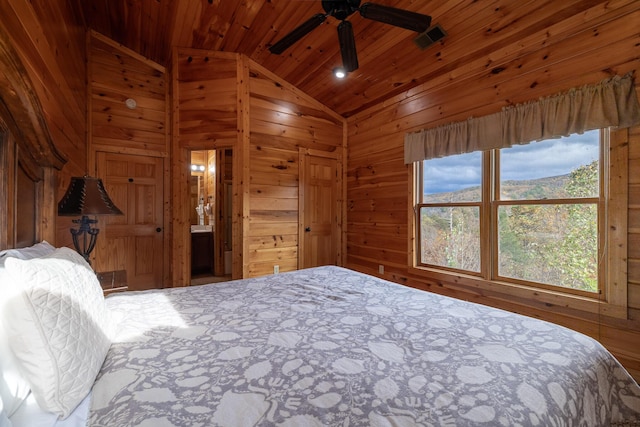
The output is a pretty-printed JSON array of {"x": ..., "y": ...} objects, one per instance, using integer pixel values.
[{"x": 481, "y": 34}]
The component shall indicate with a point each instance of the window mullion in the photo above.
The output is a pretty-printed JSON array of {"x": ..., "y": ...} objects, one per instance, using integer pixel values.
[{"x": 487, "y": 224}]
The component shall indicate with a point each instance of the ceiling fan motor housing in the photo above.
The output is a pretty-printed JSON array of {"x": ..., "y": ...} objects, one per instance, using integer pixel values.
[{"x": 340, "y": 9}]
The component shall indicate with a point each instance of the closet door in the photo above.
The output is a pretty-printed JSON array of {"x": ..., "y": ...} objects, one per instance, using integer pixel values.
[
  {"x": 319, "y": 234},
  {"x": 134, "y": 241}
]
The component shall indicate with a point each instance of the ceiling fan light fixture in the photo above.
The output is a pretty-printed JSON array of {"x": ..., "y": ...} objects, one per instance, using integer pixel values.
[
  {"x": 341, "y": 10},
  {"x": 339, "y": 72}
]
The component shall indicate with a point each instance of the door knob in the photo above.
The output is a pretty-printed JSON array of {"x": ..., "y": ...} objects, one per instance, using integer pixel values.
[
  {"x": 158, "y": 230},
  {"x": 308, "y": 229}
]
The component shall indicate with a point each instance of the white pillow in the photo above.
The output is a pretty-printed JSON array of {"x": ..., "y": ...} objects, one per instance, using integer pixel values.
[
  {"x": 14, "y": 388},
  {"x": 4, "y": 419},
  {"x": 38, "y": 250},
  {"x": 58, "y": 327}
]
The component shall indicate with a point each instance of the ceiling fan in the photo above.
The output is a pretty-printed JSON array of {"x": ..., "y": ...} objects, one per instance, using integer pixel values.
[{"x": 341, "y": 10}]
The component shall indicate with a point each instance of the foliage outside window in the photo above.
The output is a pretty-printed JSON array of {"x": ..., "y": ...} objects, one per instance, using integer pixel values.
[{"x": 528, "y": 214}]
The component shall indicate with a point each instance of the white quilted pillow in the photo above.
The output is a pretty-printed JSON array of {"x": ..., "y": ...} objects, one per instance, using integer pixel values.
[{"x": 58, "y": 327}]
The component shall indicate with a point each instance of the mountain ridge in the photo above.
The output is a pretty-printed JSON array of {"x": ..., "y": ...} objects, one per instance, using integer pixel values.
[{"x": 529, "y": 189}]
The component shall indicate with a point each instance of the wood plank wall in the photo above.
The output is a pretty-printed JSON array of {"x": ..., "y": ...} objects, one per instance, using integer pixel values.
[
  {"x": 633, "y": 242},
  {"x": 115, "y": 74},
  {"x": 205, "y": 117},
  {"x": 224, "y": 100},
  {"x": 282, "y": 120},
  {"x": 572, "y": 53},
  {"x": 54, "y": 57},
  {"x": 206, "y": 99}
]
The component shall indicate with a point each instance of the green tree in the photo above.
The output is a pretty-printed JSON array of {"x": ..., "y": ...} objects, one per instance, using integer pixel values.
[
  {"x": 528, "y": 239},
  {"x": 450, "y": 237},
  {"x": 554, "y": 244}
]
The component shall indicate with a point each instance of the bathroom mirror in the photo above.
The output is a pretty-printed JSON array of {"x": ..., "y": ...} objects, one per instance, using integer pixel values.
[
  {"x": 210, "y": 208},
  {"x": 203, "y": 188}
]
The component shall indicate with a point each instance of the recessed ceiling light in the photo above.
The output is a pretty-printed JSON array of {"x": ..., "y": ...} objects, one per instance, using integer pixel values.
[{"x": 339, "y": 72}]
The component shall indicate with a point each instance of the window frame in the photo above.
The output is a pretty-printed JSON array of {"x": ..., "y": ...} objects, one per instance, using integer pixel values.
[
  {"x": 599, "y": 202},
  {"x": 612, "y": 251}
]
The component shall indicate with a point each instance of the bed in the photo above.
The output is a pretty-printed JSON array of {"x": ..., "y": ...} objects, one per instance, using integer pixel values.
[{"x": 327, "y": 346}]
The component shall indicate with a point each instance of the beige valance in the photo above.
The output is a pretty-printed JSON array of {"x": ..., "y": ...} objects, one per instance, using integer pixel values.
[{"x": 612, "y": 102}]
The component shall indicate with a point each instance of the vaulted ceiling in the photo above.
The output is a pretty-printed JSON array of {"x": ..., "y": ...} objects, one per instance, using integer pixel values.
[{"x": 479, "y": 34}]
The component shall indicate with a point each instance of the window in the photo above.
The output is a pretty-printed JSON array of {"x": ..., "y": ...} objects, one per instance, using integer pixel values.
[
  {"x": 530, "y": 214},
  {"x": 450, "y": 212}
]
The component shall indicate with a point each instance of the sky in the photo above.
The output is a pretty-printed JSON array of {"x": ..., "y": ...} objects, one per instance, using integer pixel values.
[{"x": 547, "y": 158}]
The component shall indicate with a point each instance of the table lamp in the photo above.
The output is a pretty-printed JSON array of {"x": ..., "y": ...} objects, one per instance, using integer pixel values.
[{"x": 86, "y": 196}]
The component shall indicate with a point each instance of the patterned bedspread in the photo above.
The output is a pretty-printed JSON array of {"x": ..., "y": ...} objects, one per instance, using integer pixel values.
[{"x": 331, "y": 347}]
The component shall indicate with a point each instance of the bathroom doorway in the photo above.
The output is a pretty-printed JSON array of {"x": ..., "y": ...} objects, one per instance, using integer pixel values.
[{"x": 210, "y": 192}]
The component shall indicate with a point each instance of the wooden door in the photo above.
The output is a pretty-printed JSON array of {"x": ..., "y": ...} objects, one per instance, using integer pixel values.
[
  {"x": 319, "y": 231},
  {"x": 133, "y": 241}
]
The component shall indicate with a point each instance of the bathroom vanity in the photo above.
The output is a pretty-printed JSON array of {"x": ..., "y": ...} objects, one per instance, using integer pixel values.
[{"x": 202, "y": 250}]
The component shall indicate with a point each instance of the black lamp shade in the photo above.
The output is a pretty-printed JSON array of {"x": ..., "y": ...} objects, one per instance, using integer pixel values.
[{"x": 86, "y": 196}]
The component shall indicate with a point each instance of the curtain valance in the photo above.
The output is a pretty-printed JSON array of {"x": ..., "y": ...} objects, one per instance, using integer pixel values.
[{"x": 612, "y": 102}]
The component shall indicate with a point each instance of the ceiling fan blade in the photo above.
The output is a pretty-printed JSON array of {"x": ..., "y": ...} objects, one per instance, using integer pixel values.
[
  {"x": 347, "y": 46},
  {"x": 298, "y": 33},
  {"x": 397, "y": 17}
]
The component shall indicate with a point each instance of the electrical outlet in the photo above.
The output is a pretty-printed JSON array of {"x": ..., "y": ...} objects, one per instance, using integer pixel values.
[
  {"x": 276, "y": 269},
  {"x": 381, "y": 269}
]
